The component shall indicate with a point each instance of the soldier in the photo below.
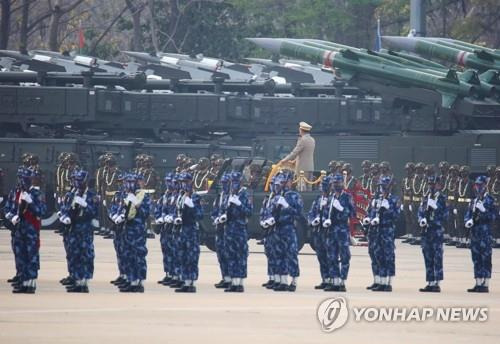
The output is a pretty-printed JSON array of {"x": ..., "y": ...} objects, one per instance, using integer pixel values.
[
  {"x": 180, "y": 162},
  {"x": 350, "y": 186},
  {"x": 332, "y": 167},
  {"x": 150, "y": 183},
  {"x": 99, "y": 189},
  {"x": 465, "y": 195},
  {"x": 495, "y": 193},
  {"x": 478, "y": 219},
  {"x": 189, "y": 212},
  {"x": 490, "y": 174},
  {"x": 111, "y": 186},
  {"x": 385, "y": 170},
  {"x": 132, "y": 215},
  {"x": 319, "y": 237},
  {"x": 382, "y": 215},
  {"x": 452, "y": 193},
  {"x": 219, "y": 218},
  {"x": 238, "y": 209},
  {"x": 406, "y": 191},
  {"x": 431, "y": 216},
  {"x": 270, "y": 237},
  {"x": 287, "y": 207},
  {"x": 139, "y": 163},
  {"x": 374, "y": 177},
  {"x": 177, "y": 281},
  {"x": 119, "y": 235},
  {"x": 34, "y": 165},
  {"x": 79, "y": 209},
  {"x": 164, "y": 215},
  {"x": 23, "y": 210},
  {"x": 417, "y": 191},
  {"x": 201, "y": 174},
  {"x": 337, "y": 213},
  {"x": 365, "y": 177}
]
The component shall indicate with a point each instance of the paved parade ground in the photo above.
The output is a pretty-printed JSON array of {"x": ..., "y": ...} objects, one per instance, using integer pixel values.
[{"x": 256, "y": 316}]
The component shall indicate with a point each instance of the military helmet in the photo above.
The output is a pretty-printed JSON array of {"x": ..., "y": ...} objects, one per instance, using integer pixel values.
[
  {"x": 464, "y": 169},
  {"x": 385, "y": 164},
  {"x": 490, "y": 169},
  {"x": 347, "y": 167},
  {"x": 385, "y": 180},
  {"x": 332, "y": 164},
  {"x": 366, "y": 164},
  {"x": 374, "y": 166},
  {"x": 444, "y": 164},
  {"x": 215, "y": 156},
  {"x": 203, "y": 163},
  {"x": 420, "y": 165},
  {"x": 410, "y": 166},
  {"x": 181, "y": 157},
  {"x": 454, "y": 167}
]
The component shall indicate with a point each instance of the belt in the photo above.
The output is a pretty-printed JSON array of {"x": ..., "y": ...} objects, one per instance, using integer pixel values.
[
  {"x": 417, "y": 199},
  {"x": 110, "y": 193},
  {"x": 407, "y": 198},
  {"x": 451, "y": 198},
  {"x": 149, "y": 191},
  {"x": 463, "y": 200}
]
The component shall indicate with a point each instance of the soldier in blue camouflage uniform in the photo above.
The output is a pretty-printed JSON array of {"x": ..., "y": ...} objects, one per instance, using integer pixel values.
[
  {"x": 238, "y": 209},
  {"x": 219, "y": 218},
  {"x": 270, "y": 236},
  {"x": 478, "y": 219},
  {"x": 189, "y": 212},
  {"x": 133, "y": 213},
  {"x": 77, "y": 212},
  {"x": 118, "y": 233},
  {"x": 382, "y": 214},
  {"x": 164, "y": 210},
  {"x": 336, "y": 214},
  {"x": 287, "y": 207},
  {"x": 176, "y": 212},
  {"x": 315, "y": 219},
  {"x": 23, "y": 210},
  {"x": 432, "y": 215}
]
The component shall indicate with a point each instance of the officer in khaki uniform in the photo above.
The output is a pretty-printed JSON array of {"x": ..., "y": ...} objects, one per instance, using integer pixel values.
[{"x": 303, "y": 154}]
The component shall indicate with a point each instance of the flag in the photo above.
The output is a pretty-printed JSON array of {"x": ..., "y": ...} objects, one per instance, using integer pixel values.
[
  {"x": 378, "y": 39},
  {"x": 81, "y": 38}
]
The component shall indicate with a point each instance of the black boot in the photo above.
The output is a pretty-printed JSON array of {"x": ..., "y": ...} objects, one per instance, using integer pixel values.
[
  {"x": 78, "y": 289},
  {"x": 272, "y": 285},
  {"x": 14, "y": 279},
  {"x": 186, "y": 289},
  {"x": 474, "y": 290},
  {"x": 383, "y": 287},
  {"x": 132, "y": 289},
  {"x": 280, "y": 287},
  {"x": 292, "y": 287},
  {"x": 116, "y": 281},
  {"x": 24, "y": 290},
  {"x": 322, "y": 285},
  {"x": 332, "y": 287},
  {"x": 373, "y": 286},
  {"x": 222, "y": 284},
  {"x": 270, "y": 282},
  {"x": 234, "y": 289}
]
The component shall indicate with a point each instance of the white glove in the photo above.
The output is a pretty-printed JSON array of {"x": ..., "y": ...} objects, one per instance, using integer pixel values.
[
  {"x": 315, "y": 222},
  {"x": 455, "y": 212},
  {"x": 178, "y": 221},
  {"x": 410, "y": 208},
  {"x": 432, "y": 203},
  {"x": 366, "y": 221},
  {"x": 59, "y": 199},
  {"x": 79, "y": 200},
  {"x": 55, "y": 196},
  {"x": 114, "y": 217},
  {"x": 374, "y": 203},
  {"x": 327, "y": 223},
  {"x": 282, "y": 201},
  {"x": 168, "y": 219},
  {"x": 337, "y": 205},
  {"x": 26, "y": 197},
  {"x": 9, "y": 216},
  {"x": 385, "y": 204},
  {"x": 423, "y": 223},
  {"x": 104, "y": 202},
  {"x": 1, "y": 199},
  {"x": 323, "y": 202},
  {"x": 480, "y": 206},
  {"x": 159, "y": 221},
  {"x": 15, "y": 219},
  {"x": 188, "y": 202},
  {"x": 132, "y": 198},
  {"x": 223, "y": 218},
  {"x": 235, "y": 200},
  {"x": 469, "y": 224},
  {"x": 401, "y": 208},
  {"x": 216, "y": 221},
  {"x": 375, "y": 221},
  {"x": 119, "y": 219},
  {"x": 271, "y": 221},
  {"x": 264, "y": 224},
  {"x": 66, "y": 220}
]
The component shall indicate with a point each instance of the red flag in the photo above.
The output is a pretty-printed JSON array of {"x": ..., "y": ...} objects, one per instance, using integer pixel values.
[{"x": 81, "y": 38}]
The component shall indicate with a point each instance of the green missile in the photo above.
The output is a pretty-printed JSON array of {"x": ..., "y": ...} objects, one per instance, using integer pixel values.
[
  {"x": 481, "y": 62},
  {"x": 350, "y": 63}
]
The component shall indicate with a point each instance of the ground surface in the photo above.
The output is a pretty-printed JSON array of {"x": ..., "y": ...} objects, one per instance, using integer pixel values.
[{"x": 212, "y": 316}]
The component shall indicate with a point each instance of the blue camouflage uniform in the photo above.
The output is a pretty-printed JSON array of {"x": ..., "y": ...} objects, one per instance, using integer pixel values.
[
  {"x": 270, "y": 236},
  {"x": 287, "y": 208},
  {"x": 24, "y": 209},
  {"x": 190, "y": 210},
  {"x": 80, "y": 232},
  {"x": 479, "y": 218},
  {"x": 338, "y": 235},
  {"x": 239, "y": 209},
  {"x": 315, "y": 220},
  {"x": 118, "y": 237},
  {"x": 219, "y": 208},
  {"x": 431, "y": 221},
  {"x": 383, "y": 212}
]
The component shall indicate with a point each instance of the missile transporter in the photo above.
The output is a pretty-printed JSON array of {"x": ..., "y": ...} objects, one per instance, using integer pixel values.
[{"x": 359, "y": 115}]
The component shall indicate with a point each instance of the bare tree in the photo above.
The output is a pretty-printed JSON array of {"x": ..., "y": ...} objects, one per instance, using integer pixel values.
[
  {"x": 23, "y": 34},
  {"x": 58, "y": 11},
  {"x": 5, "y": 24},
  {"x": 136, "y": 10}
]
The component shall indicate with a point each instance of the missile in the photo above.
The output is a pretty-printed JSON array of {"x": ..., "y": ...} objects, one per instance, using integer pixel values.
[
  {"x": 481, "y": 61},
  {"x": 351, "y": 63}
]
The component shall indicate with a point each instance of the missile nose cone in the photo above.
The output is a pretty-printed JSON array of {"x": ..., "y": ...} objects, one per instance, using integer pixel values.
[
  {"x": 399, "y": 43},
  {"x": 271, "y": 44}
]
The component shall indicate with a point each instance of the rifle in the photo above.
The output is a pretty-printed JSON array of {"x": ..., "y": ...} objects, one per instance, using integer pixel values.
[
  {"x": 475, "y": 215},
  {"x": 429, "y": 212},
  {"x": 21, "y": 208}
]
